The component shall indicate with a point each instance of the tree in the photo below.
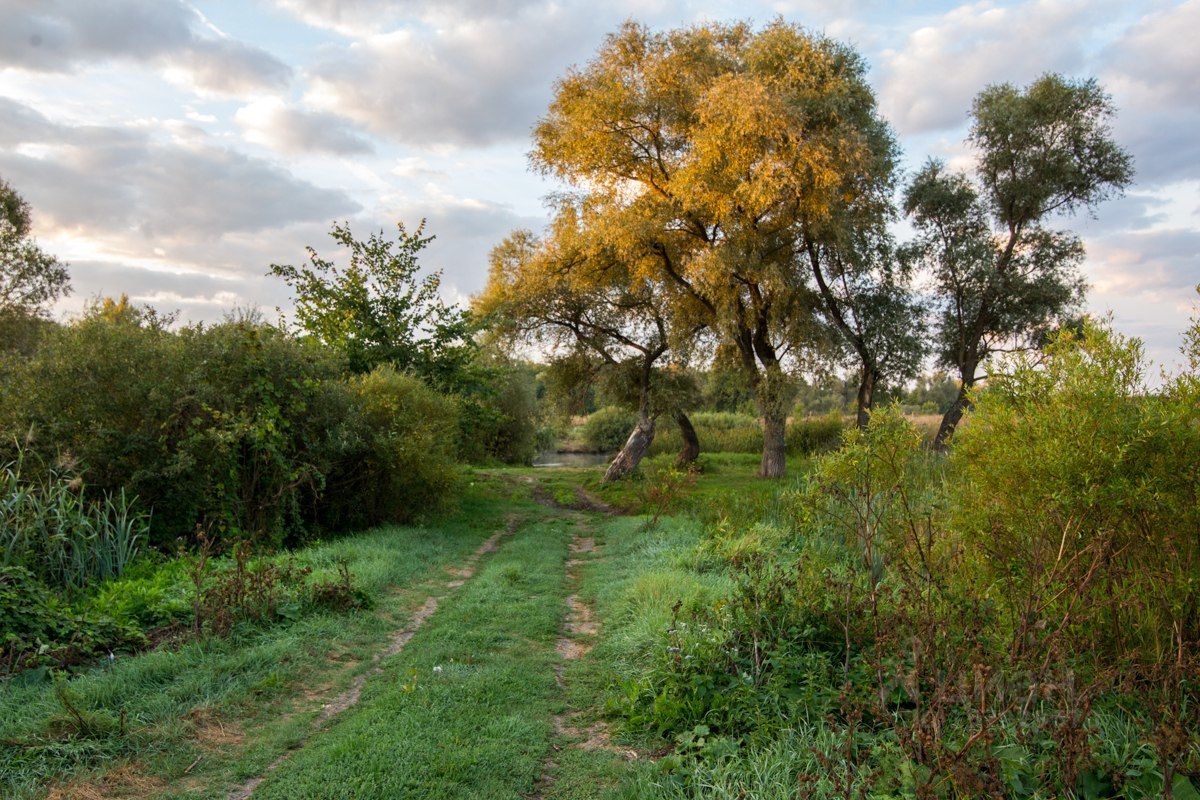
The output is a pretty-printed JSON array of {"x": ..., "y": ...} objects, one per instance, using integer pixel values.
[
  {"x": 1002, "y": 278},
  {"x": 702, "y": 156},
  {"x": 570, "y": 295},
  {"x": 378, "y": 309},
  {"x": 867, "y": 299},
  {"x": 30, "y": 278}
]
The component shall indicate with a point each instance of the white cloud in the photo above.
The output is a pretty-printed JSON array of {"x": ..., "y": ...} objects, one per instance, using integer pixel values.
[
  {"x": 929, "y": 81},
  {"x": 60, "y": 35},
  {"x": 272, "y": 123}
]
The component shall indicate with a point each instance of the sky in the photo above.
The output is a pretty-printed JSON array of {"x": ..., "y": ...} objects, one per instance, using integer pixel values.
[{"x": 173, "y": 150}]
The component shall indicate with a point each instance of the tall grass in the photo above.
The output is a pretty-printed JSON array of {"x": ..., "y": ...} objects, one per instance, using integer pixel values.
[
  {"x": 48, "y": 526},
  {"x": 725, "y": 432}
]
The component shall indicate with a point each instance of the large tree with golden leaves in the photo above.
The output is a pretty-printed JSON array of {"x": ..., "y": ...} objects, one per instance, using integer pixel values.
[
  {"x": 566, "y": 293},
  {"x": 705, "y": 158}
]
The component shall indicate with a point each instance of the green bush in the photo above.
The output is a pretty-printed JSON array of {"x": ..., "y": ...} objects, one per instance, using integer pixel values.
[
  {"x": 236, "y": 429},
  {"x": 607, "y": 429},
  {"x": 228, "y": 426},
  {"x": 402, "y": 461},
  {"x": 498, "y": 414},
  {"x": 727, "y": 432},
  {"x": 1021, "y": 618}
]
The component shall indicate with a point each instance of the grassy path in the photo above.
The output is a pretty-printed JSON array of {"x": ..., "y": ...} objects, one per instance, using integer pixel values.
[
  {"x": 349, "y": 698},
  {"x": 466, "y": 710}
]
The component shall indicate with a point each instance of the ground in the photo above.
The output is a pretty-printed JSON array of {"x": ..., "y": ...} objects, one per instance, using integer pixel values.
[{"x": 482, "y": 671}]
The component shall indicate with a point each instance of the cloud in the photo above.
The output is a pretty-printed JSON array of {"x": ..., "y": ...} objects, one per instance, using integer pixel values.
[
  {"x": 176, "y": 220},
  {"x": 129, "y": 181},
  {"x": 61, "y": 35},
  {"x": 465, "y": 231},
  {"x": 1153, "y": 70},
  {"x": 467, "y": 74},
  {"x": 272, "y": 123},
  {"x": 1148, "y": 279},
  {"x": 1159, "y": 56},
  {"x": 929, "y": 81}
]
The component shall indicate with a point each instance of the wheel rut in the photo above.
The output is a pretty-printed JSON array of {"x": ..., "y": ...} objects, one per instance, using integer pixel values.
[
  {"x": 350, "y": 697},
  {"x": 579, "y": 630}
]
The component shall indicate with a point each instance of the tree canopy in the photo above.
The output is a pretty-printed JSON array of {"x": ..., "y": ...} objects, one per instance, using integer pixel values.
[
  {"x": 1002, "y": 278},
  {"x": 704, "y": 157}
]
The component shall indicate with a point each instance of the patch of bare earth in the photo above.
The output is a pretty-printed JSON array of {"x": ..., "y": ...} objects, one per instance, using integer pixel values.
[
  {"x": 126, "y": 781},
  {"x": 350, "y": 697}
]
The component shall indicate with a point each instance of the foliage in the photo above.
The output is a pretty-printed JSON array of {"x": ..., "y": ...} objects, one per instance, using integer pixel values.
[
  {"x": 498, "y": 412},
  {"x": 402, "y": 459},
  {"x": 236, "y": 427},
  {"x": 30, "y": 279},
  {"x": 377, "y": 309},
  {"x": 723, "y": 432},
  {"x": 608, "y": 428},
  {"x": 682, "y": 143},
  {"x": 49, "y": 527},
  {"x": 1018, "y": 619},
  {"x": 37, "y": 627},
  {"x": 1003, "y": 279}
]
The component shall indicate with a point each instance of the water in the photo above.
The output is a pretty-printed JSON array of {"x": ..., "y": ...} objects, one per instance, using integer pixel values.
[{"x": 553, "y": 459}]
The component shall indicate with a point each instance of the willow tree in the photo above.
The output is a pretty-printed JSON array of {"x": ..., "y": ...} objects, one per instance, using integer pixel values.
[
  {"x": 1003, "y": 278},
  {"x": 703, "y": 157},
  {"x": 869, "y": 303},
  {"x": 567, "y": 293}
]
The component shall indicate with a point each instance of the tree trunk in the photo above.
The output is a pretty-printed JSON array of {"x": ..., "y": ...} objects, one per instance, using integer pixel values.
[
  {"x": 636, "y": 445},
  {"x": 866, "y": 395},
  {"x": 774, "y": 455},
  {"x": 952, "y": 417},
  {"x": 691, "y": 443}
]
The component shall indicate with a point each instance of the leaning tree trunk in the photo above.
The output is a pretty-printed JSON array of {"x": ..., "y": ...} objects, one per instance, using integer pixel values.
[
  {"x": 635, "y": 448},
  {"x": 954, "y": 414},
  {"x": 866, "y": 395},
  {"x": 691, "y": 443}
]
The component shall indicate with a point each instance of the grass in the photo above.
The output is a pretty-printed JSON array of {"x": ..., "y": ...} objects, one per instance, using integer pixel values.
[
  {"x": 464, "y": 710},
  {"x": 158, "y": 707}
]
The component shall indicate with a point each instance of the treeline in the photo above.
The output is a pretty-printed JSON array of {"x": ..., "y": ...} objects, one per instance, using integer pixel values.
[
  {"x": 245, "y": 430},
  {"x": 729, "y": 204}
]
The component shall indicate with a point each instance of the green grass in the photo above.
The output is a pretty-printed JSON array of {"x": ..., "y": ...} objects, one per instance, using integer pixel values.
[
  {"x": 250, "y": 680},
  {"x": 464, "y": 711}
]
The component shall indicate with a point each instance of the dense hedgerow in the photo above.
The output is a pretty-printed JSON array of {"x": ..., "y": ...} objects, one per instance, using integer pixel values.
[
  {"x": 235, "y": 429},
  {"x": 1018, "y": 619},
  {"x": 606, "y": 430}
]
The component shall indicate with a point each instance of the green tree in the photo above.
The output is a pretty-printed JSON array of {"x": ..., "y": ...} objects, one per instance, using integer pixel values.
[
  {"x": 572, "y": 295},
  {"x": 30, "y": 278},
  {"x": 703, "y": 157},
  {"x": 1003, "y": 279},
  {"x": 867, "y": 300},
  {"x": 379, "y": 309}
]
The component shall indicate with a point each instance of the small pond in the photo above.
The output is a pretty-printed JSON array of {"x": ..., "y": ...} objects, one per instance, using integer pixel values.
[{"x": 553, "y": 459}]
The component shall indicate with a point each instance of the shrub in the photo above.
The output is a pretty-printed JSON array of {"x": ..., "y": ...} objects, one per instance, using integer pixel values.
[
  {"x": 230, "y": 426},
  {"x": 402, "y": 461},
  {"x": 37, "y": 627},
  {"x": 806, "y": 435},
  {"x": 726, "y": 432},
  {"x": 498, "y": 414},
  {"x": 607, "y": 429}
]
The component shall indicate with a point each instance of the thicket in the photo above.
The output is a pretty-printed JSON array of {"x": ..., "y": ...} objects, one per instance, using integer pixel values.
[{"x": 1020, "y": 618}]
